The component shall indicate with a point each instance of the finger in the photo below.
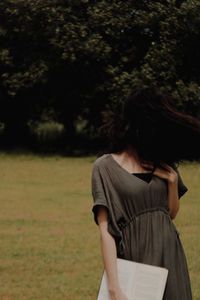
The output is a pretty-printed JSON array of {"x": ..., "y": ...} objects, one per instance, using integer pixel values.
[
  {"x": 147, "y": 164},
  {"x": 166, "y": 167},
  {"x": 162, "y": 174},
  {"x": 150, "y": 167}
]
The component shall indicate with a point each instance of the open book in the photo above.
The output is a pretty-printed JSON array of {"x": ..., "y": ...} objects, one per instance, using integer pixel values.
[{"x": 138, "y": 281}]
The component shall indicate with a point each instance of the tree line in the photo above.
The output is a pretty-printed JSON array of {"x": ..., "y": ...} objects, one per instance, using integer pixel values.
[{"x": 70, "y": 61}]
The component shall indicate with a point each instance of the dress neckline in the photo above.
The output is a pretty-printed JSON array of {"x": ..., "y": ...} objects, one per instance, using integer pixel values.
[
  {"x": 149, "y": 173},
  {"x": 131, "y": 174}
]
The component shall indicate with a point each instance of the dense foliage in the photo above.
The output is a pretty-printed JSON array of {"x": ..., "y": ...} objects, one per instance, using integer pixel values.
[{"x": 69, "y": 61}]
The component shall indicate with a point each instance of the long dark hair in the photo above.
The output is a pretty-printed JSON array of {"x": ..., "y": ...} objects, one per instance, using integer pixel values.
[{"x": 150, "y": 123}]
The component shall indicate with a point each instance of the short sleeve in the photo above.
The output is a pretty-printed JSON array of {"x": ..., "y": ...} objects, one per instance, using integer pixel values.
[
  {"x": 98, "y": 193},
  {"x": 100, "y": 197},
  {"x": 182, "y": 188}
]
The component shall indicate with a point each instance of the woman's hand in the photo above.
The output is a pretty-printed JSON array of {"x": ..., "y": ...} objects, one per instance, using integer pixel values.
[
  {"x": 118, "y": 295},
  {"x": 166, "y": 172}
]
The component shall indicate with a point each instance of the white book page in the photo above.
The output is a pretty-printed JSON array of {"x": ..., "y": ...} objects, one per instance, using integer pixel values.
[
  {"x": 148, "y": 283},
  {"x": 125, "y": 274},
  {"x": 103, "y": 291},
  {"x": 138, "y": 281}
]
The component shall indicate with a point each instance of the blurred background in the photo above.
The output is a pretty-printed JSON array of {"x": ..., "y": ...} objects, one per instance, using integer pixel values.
[{"x": 63, "y": 66}]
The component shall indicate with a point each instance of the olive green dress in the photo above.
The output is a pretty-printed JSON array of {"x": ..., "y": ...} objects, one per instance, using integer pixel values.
[{"x": 139, "y": 221}]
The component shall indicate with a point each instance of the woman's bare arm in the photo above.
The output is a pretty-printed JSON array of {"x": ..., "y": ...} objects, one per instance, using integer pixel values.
[
  {"x": 109, "y": 254},
  {"x": 173, "y": 199}
]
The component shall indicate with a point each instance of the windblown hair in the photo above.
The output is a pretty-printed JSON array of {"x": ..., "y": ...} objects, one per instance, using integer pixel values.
[{"x": 150, "y": 123}]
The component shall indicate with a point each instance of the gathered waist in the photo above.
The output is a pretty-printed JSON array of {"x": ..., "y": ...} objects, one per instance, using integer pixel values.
[{"x": 123, "y": 223}]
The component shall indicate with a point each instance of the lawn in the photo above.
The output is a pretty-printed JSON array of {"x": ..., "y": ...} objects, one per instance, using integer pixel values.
[{"x": 49, "y": 243}]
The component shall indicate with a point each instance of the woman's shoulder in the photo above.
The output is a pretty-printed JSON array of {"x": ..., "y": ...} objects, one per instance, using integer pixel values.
[{"x": 101, "y": 161}]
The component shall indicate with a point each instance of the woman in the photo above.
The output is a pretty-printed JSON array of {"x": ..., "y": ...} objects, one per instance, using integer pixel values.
[{"x": 136, "y": 188}]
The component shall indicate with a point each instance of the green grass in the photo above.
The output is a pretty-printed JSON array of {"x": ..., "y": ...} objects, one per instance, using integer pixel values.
[
  {"x": 49, "y": 243},
  {"x": 188, "y": 223}
]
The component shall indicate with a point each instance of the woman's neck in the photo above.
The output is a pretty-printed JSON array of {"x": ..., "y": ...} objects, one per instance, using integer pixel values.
[
  {"x": 129, "y": 159},
  {"x": 132, "y": 153}
]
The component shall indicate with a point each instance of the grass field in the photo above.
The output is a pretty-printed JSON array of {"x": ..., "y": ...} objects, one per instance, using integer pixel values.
[{"x": 49, "y": 243}]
